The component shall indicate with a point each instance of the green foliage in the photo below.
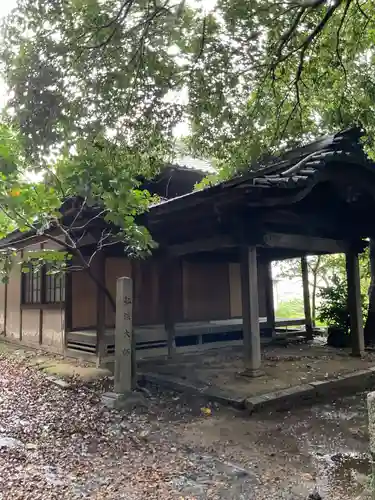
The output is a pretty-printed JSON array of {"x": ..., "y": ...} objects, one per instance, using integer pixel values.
[
  {"x": 103, "y": 175},
  {"x": 333, "y": 309},
  {"x": 76, "y": 69},
  {"x": 290, "y": 309},
  {"x": 274, "y": 74},
  {"x": 324, "y": 271},
  {"x": 258, "y": 76},
  {"x": 7, "y": 259},
  {"x": 97, "y": 85},
  {"x": 107, "y": 175}
]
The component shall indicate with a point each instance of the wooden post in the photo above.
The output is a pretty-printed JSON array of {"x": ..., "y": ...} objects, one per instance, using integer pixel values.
[
  {"x": 250, "y": 311},
  {"x": 306, "y": 298},
  {"x": 270, "y": 305},
  {"x": 123, "y": 336},
  {"x": 101, "y": 347},
  {"x": 354, "y": 303},
  {"x": 166, "y": 286}
]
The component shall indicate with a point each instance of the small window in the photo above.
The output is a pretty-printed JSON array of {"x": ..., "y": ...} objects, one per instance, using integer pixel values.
[{"x": 32, "y": 287}]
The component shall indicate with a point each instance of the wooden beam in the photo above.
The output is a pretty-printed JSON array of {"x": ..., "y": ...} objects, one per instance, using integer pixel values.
[
  {"x": 203, "y": 245},
  {"x": 306, "y": 298},
  {"x": 354, "y": 303},
  {"x": 311, "y": 244},
  {"x": 250, "y": 310},
  {"x": 270, "y": 306}
]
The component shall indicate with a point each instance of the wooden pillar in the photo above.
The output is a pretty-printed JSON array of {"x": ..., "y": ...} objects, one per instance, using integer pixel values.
[
  {"x": 168, "y": 300},
  {"x": 250, "y": 311},
  {"x": 270, "y": 305},
  {"x": 100, "y": 310},
  {"x": 306, "y": 298},
  {"x": 6, "y": 308},
  {"x": 124, "y": 376},
  {"x": 68, "y": 307},
  {"x": 354, "y": 303}
]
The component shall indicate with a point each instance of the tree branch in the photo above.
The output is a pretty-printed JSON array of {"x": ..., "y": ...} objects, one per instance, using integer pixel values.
[
  {"x": 78, "y": 213},
  {"x": 118, "y": 19},
  {"x": 311, "y": 37}
]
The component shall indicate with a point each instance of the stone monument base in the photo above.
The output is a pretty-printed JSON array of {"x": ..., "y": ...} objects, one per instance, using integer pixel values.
[
  {"x": 128, "y": 401},
  {"x": 251, "y": 373}
]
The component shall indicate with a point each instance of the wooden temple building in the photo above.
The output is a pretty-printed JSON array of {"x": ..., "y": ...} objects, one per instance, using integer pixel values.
[{"x": 209, "y": 281}]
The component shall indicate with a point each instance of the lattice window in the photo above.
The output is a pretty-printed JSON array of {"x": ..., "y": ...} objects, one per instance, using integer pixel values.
[
  {"x": 42, "y": 288},
  {"x": 54, "y": 287},
  {"x": 32, "y": 286}
]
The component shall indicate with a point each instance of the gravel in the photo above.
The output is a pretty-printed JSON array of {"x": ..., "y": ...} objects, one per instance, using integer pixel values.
[
  {"x": 58, "y": 443},
  {"x": 62, "y": 443}
]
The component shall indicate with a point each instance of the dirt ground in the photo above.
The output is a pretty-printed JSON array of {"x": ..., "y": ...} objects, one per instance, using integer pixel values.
[
  {"x": 282, "y": 367},
  {"x": 63, "y": 444}
]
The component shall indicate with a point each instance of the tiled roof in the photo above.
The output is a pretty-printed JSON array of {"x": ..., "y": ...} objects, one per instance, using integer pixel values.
[{"x": 295, "y": 169}]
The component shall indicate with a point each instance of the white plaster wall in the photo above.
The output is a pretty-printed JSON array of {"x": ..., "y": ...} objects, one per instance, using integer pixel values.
[
  {"x": 30, "y": 325},
  {"x": 53, "y": 328}
]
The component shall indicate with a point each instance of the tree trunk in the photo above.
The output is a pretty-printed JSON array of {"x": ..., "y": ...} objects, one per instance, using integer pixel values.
[
  {"x": 104, "y": 289},
  {"x": 313, "y": 301},
  {"x": 369, "y": 332}
]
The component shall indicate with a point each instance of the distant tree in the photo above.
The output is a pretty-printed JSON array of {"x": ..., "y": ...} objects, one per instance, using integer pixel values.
[{"x": 324, "y": 272}]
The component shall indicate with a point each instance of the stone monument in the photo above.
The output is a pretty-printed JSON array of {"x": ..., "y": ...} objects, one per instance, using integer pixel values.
[{"x": 124, "y": 396}]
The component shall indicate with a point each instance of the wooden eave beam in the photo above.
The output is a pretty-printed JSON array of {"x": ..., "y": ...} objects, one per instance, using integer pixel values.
[
  {"x": 202, "y": 245},
  {"x": 310, "y": 244}
]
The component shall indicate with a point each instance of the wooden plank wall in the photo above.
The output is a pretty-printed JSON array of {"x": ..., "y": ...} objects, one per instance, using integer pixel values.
[
  {"x": 148, "y": 308},
  {"x": 84, "y": 293},
  {"x": 202, "y": 291},
  {"x": 235, "y": 289},
  {"x": 206, "y": 291},
  {"x": 115, "y": 267}
]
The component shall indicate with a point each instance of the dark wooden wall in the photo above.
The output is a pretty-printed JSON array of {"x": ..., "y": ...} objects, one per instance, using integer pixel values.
[{"x": 202, "y": 291}]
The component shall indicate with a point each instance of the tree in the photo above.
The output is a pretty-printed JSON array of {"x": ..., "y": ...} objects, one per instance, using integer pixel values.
[
  {"x": 318, "y": 273},
  {"x": 274, "y": 74},
  {"x": 259, "y": 76},
  {"x": 326, "y": 273},
  {"x": 76, "y": 69},
  {"x": 93, "y": 191}
]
